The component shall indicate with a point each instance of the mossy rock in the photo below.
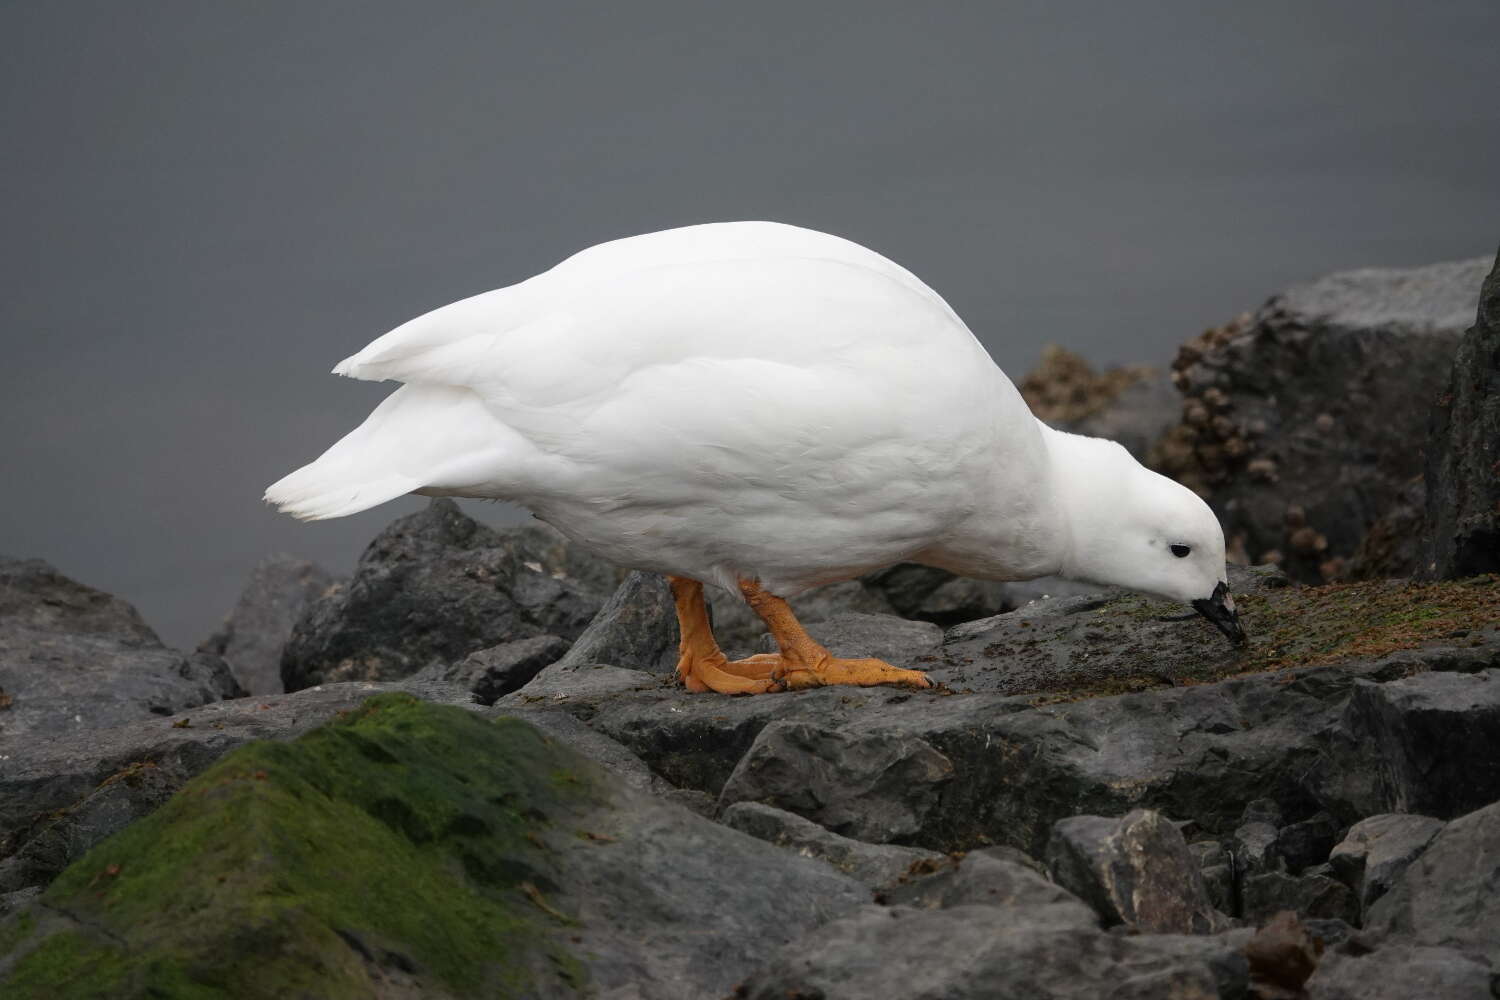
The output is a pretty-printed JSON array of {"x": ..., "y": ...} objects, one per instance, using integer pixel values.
[
  {"x": 1065, "y": 649},
  {"x": 399, "y": 851}
]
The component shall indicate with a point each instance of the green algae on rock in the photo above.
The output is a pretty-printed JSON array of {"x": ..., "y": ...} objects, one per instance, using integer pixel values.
[{"x": 401, "y": 849}]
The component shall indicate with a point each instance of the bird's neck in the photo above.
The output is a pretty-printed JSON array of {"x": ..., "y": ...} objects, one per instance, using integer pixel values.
[{"x": 1091, "y": 480}]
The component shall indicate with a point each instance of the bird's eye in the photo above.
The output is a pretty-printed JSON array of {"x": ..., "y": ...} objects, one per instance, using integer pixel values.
[{"x": 1181, "y": 551}]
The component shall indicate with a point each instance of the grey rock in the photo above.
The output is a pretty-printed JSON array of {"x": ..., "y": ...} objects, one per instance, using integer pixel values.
[
  {"x": 633, "y": 885},
  {"x": 613, "y": 757},
  {"x": 926, "y": 593},
  {"x": 1135, "y": 870},
  {"x": 1261, "y": 811},
  {"x": 279, "y": 591},
  {"x": 898, "y": 953},
  {"x": 12, "y": 901},
  {"x": 738, "y": 629},
  {"x": 1254, "y": 848},
  {"x": 1218, "y": 874},
  {"x": 877, "y": 786},
  {"x": 437, "y": 585},
  {"x": 1307, "y": 841},
  {"x": 1429, "y": 741},
  {"x": 1321, "y": 402},
  {"x": 995, "y": 876},
  {"x": 653, "y": 917},
  {"x": 74, "y": 660},
  {"x": 899, "y": 641},
  {"x": 1401, "y": 972},
  {"x": 1219, "y": 882},
  {"x": 874, "y": 865},
  {"x": 65, "y": 836},
  {"x": 1308, "y": 895},
  {"x": 576, "y": 681},
  {"x": 1396, "y": 543},
  {"x": 1208, "y": 852},
  {"x": 963, "y": 599},
  {"x": 1462, "y": 523},
  {"x": 905, "y": 586},
  {"x": 1377, "y": 850},
  {"x": 1109, "y": 639},
  {"x": 1447, "y": 896},
  {"x": 1196, "y": 752},
  {"x": 490, "y": 674},
  {"x": 1329, "y": 931},
  {"x": 636, "y": 628}
]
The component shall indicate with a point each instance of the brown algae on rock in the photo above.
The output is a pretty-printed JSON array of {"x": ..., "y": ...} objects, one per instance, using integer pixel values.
[{"x": 392, "y": 848}]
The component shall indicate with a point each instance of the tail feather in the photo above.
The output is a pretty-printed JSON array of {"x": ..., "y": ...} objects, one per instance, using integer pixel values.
[
  {"x": 314, "y": 493},
  {"x": 421, "y": 437}
]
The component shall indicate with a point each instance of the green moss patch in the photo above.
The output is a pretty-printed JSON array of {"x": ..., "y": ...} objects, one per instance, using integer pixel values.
[
  {"x": 401, "y": 847},
  {"x": 1315, "y": 626}
]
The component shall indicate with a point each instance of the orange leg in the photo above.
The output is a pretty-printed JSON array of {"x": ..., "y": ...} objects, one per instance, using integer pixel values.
[
  {"x": 801, "y": 662},
  {"x": 804, "y": 662},
  {"x": 700, "y": 663}
]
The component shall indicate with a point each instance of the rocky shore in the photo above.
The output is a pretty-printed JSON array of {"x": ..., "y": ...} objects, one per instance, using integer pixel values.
[{"x": 467, "y": 770}]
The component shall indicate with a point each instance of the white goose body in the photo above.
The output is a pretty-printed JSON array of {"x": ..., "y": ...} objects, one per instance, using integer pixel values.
[{"x": 727, "y": 402}]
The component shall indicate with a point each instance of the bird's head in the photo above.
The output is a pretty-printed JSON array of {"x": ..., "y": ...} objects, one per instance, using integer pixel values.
[{"x": 1141, "y": 530}]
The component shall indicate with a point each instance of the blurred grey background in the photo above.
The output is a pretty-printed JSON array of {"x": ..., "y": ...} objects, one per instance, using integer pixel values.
[{"x": 205, "y": 205}]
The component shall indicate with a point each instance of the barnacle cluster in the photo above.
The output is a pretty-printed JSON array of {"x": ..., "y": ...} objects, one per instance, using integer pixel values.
[
  {"x": 1064, "y": 388},
  {"x": 1211, "y": 443}
]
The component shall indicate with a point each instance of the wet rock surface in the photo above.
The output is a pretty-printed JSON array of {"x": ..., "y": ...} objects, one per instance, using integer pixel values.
[{"x": 74, "y": 659}]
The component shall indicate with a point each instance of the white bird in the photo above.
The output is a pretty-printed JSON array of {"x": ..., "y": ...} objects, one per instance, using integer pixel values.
[{"x": 763, "y": 408}]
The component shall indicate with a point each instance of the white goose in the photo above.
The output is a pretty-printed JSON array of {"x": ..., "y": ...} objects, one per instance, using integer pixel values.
[{"x": 764, "y": 408}]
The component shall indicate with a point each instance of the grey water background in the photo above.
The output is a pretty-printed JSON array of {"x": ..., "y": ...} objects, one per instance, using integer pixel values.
[{"x": 204, "y": 206}]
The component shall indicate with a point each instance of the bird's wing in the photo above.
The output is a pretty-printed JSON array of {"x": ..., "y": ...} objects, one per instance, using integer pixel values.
[{"x": 434, "y": 346}]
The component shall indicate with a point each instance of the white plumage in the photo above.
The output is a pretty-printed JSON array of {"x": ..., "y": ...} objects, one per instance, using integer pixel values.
[{"x": 750, "y": 401}]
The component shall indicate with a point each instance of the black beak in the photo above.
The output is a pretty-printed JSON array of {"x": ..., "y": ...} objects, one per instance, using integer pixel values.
[{"x": 1219, "y": 609}]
